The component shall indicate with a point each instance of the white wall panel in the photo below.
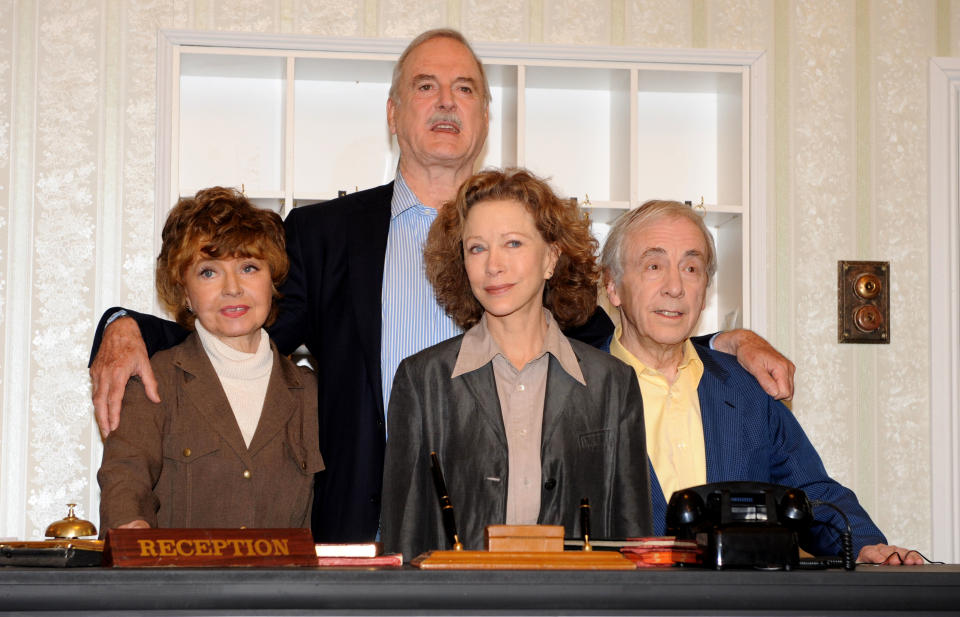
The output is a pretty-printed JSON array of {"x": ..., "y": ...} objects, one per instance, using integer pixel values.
[
  {"x": 659, "y": 23},
  {"x": 328, "y": 17},
  {"x": 495, "y": 20},
  {"x": 821, "y": 137},
  {"x": 408, "y": 18},
  {"x": 584, "y": 22},
  {"x": 899, "y": 134}
]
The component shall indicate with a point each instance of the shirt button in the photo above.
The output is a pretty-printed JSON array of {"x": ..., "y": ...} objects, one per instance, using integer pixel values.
[
  {"x": 246, "y": 474},
  {"x": 521, "y": 388},
  {"x": 303, "y": 465},
  {"x": 187, "y": 452}
]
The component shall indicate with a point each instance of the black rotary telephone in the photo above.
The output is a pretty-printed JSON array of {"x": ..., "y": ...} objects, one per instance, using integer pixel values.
[{"x": 741, "y": 524}]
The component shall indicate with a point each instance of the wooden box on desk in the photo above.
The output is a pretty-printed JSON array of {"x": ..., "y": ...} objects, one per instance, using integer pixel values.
[
  {"x": 524, "y": 538},
  {"x": 523, "y": 547}
]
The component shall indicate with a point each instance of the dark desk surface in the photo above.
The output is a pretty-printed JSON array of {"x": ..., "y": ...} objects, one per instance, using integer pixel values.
[{"x": 921, "y": 590}]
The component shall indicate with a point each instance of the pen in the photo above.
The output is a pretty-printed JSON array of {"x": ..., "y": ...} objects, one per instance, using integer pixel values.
[
  {"x": 585, "y": 523},
  {"x": 446, "y": 508}
]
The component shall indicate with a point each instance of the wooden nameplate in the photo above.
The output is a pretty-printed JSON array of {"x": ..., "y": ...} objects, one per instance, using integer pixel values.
[
  {"x": 543, "y": 560},
  {"x": 209, "y": 547},
  {"x": 524, "y": 538}
]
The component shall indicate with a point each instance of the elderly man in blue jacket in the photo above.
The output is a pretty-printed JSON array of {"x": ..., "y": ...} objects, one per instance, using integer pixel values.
[{"x": 707, "y": 420}]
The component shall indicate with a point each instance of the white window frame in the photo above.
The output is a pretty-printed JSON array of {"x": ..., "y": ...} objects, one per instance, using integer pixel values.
[{"x": 944, "y": 209}]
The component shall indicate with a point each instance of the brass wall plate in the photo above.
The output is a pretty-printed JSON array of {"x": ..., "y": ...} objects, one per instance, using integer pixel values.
[{"x": 863, "y": 301}]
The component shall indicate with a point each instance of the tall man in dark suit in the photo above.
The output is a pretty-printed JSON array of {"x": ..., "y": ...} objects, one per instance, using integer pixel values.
[
  {"x": 707, "y": 420},
  {"x": 356, "y": 294}
]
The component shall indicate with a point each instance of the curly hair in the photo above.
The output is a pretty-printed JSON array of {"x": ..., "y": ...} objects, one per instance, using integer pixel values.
[
  {"x": 570, "y": 294},
  {"x": 217, "y": 223}
]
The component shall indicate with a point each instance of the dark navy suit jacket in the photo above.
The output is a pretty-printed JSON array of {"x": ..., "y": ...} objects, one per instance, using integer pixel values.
[{"x": 750, "y": 436}]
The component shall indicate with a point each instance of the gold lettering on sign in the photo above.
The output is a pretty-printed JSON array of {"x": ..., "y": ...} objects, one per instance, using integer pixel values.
[
  {"x": 208, "y": 548},
  {"x": 218, "y": 546},
  {"x": 262, "y": 547},
  {"x": 168, "y": 548},
  {"x": 147, "y": 548},
  {"x": 203, "y": 548},
  {"x": 184, "y": 548}
]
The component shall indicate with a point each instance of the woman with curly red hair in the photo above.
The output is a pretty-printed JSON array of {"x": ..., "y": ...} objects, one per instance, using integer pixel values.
[
  {"x": 234, "y": 441},
  {"x": 525, "y": 421}
]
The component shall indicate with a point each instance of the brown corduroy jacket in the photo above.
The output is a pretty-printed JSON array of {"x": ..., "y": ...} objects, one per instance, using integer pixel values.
[{"x": 183, "y": 462}]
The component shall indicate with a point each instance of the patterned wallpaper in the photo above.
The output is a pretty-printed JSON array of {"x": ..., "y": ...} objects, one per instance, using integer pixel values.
[
  {"x": 847, "y": 134},
  {"x": 6, "y": 75},
  {"x": 899, "y": 226},
  {"x": 62, "y": 274}
]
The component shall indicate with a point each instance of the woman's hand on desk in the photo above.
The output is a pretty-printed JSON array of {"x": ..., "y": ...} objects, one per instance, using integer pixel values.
[
  {"x": 890, "y": 555},
  {"x": 137, "y": 524}
]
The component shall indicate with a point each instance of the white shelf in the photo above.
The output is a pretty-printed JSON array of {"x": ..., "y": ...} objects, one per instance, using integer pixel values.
[
  {"x": 231, "y": 121},
  {"x": 334, "y": 102},
  {"x": 297, "y": 119}
]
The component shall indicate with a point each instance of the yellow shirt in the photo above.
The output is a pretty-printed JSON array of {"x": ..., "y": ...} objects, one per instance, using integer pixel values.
[{"x": 671, "y": 413}]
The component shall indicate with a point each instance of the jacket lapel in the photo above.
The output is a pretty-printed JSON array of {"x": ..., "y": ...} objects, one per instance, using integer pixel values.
[
  {"x": 722, "y": 422},
  {"x": 481, "y": 385},
  {"x": 278, "y": 404},
  {"x": 367, "y": 248},
  {"x": 561, "y": 394},
  {"x": 207, "y": 399}
]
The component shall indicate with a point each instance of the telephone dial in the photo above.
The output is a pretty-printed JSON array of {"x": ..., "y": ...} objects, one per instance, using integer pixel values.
[{"x": 741, "y": 524}]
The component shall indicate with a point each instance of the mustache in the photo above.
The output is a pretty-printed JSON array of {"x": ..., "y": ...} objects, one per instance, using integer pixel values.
[{"x": 445, "y": 117}]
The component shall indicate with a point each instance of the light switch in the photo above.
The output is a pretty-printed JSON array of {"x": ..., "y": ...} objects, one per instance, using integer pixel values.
[{"x": 863, "y": 300}]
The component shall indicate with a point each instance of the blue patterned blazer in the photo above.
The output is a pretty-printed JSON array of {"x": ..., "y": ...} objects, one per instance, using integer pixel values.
[{"x": 750, "y": 436}]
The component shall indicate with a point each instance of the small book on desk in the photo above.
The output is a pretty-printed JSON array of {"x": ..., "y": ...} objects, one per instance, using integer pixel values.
[
  {"x": 360, "y": 554},
  {"x": 357, "y": 549},
  {"x": 389, "y": 560}
]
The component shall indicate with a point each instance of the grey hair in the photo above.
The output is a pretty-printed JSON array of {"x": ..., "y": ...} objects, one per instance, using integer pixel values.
[
  {"x": 613, "y": 250},
  {"x": 429, "y": 35}
]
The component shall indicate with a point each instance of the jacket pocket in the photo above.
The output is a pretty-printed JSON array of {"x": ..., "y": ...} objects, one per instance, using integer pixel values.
[
  {"x": 303, "y": 450},
  {"x": 185, "y": 455},
  {"x": 595, "y": 440},
  {"x": 308, "y": 463}
]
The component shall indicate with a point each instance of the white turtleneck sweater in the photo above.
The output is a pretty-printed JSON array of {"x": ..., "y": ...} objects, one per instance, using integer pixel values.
[{"x": 244, "y": 377}]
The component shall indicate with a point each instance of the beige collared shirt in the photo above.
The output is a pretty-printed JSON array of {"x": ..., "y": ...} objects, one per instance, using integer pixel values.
[
  {"x": 671, "y": 415},
  {"x": 521, "y": 395}
]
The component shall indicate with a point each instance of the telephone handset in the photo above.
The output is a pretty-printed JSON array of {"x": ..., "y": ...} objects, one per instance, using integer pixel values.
[{"x": 741, "y": 524}]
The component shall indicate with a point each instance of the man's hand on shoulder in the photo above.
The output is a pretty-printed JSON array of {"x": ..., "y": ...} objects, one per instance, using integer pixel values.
[
  {"x": 889, "y": 555},
  {"x": 122, "y": 355},
  {"x": 770, "y": 368}
]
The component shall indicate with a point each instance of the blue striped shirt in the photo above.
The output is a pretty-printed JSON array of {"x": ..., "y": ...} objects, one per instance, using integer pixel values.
[{"x": 412, "y": 320}]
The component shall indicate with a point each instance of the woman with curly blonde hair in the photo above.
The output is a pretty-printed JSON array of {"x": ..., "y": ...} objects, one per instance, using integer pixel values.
[{"x": 525, "y": 421}]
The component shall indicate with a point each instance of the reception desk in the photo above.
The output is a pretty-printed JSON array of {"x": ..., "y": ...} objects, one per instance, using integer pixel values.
[{"x": 914, "y": 590}]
